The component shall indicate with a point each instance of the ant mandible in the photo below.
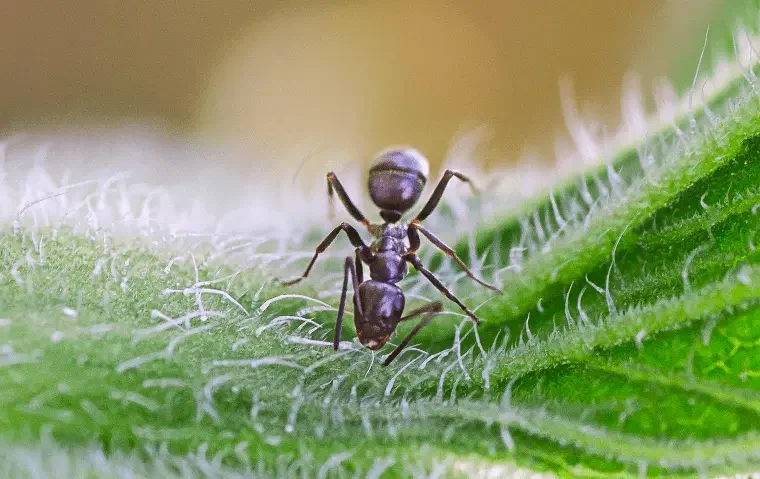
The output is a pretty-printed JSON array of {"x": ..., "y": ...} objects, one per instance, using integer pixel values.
[{"x": 396, "y": 180}]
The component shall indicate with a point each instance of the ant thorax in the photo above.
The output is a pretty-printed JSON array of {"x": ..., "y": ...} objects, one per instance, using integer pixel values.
[{"x": 390, "y": 237}]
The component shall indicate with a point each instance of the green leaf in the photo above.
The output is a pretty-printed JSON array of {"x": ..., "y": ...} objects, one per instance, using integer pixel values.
[{"x": 625, "y": 342}]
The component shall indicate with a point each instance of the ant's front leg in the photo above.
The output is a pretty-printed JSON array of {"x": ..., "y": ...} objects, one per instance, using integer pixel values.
[
  {"x": 415, "y": 261},
  {"x": 449, "y": 252},
  {"x": 429, "y": 310},
  {"x": 358, "y": 262},
  {"x": 435, "y": 198},
  {"x": 349, "y": 268},
  {"x": 353, "y": 236}
]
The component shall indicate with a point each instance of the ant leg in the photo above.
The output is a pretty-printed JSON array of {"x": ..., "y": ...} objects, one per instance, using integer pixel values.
[
  {"x": 359, "y": 278},
  {"x": 415, "y": 261},
  {"x": 353, "y": 236},
  {"x": 348, "y": 268},
  {"x": 359, "y": 268},
  {"x": 333, "y": 184},
  {"x": 429, "y": 310},
  {"x": 438, "y": 193},
  {"x": 414, "y": 238},
  {"x": 330, "y": 201},
  {"x": 452, "y": 254}
]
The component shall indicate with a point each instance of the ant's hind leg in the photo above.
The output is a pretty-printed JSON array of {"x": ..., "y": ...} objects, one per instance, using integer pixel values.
[
  {"x": 334, "y": 185},
  {"x": 330, "y": 201},
  {"x": 438, "y": 193},
  {"x": 429, "y": 310},
  {"x": 349, "y": 268},
  {"x": 415, "y": 261}
]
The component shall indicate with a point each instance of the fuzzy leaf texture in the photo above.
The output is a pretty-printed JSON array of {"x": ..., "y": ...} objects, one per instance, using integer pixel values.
[{"x": 625, "y": 342}]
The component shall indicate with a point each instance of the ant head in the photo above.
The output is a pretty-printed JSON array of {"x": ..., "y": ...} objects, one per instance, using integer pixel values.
[
  {"x": 396, "y": 180},
  {"x": 374, "y": 343},
  {"x": 374, "y": 335}
]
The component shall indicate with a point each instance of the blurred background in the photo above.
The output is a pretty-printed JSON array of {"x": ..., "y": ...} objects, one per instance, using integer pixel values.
[{"x": 311, "y": 83}]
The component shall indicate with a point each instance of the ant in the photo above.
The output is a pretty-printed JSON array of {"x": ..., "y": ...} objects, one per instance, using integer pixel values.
[{"x": 396, "y": 180}]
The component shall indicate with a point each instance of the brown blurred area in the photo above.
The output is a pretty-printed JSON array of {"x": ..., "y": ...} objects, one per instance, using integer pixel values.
[{"x": 290, "y": 79}]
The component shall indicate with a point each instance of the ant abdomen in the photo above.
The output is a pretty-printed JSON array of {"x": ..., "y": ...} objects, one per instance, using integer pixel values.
[{"x": 396, "y": 180}]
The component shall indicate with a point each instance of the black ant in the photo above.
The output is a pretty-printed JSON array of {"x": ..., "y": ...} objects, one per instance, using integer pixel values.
[{"x": 396, "y": 180}]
